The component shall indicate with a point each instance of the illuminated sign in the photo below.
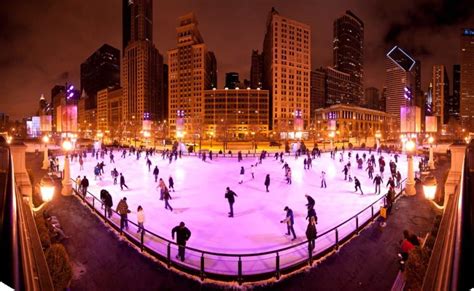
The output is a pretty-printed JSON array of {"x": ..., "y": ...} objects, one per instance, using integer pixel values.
[{"x": 468, "y": 31}]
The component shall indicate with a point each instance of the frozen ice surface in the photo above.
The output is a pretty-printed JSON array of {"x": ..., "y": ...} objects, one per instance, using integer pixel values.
[{"x": 199, "y": 202}]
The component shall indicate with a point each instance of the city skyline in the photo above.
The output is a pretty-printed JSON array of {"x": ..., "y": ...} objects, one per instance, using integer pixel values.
[{"x": 33, "y": 62}]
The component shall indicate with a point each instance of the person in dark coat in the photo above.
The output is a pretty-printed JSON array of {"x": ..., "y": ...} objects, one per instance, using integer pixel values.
[
  {"x": 182, "y": 236},
  {"x": 377, "y": 181},
  {"x": 122, "y": 209},
  {"x": 229, "y": 195},
  {"x": 289, "y": 222},
  {"x": 242, "y": 172},
  {"x": 311, "y": 234},
  {"x": 107, "y": 200},
  {"x": 267, "y": 181},
  {"x": 167, "y": 197},
  {"x": 156, "y": 172},
  {"x": 122, "y": 182},
  {"x": 84, "y": 185},
  {"x": 311, "y": 213},
  {"x": 357, "y": 185},
  {"x": 171, "y": 183},
  {"x": 311, "y": 201},
  {"x": 345, "y": 171}
]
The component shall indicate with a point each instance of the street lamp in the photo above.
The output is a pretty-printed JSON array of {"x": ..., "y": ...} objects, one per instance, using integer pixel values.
[
  {"x": 431, "y": 160},
  {"x": 47, "y": 192},
  {"x": 45, "y": 156},
  {"x": 410, "y": 184},
  {"x": 429, "y": 188},
  {"x": 67, "y": 185}
]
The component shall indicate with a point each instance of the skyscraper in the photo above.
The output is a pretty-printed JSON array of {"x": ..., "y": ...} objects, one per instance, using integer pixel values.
[
  {"x": 142, "y": 66},
  {"x": 192, "y": 69},
  {"x": 440, "y": 93},
  {"x": 100, "y": 71},
  {"x": 372, "y": 98},
  {"x": 348, "y": 51},
  {"x": 453, "y": 103},
  {"x": 287, "y": 68},
  {"x": 232, "y": 80},
  {"x": 467, "y": 79},
  {"x": 398, "y": 76},
  {"x": 318, "y": 91},
  {"x": 256, "y": 70},
  {"x": 338, "y": 87},
  {"x": 126, "y": 23}
]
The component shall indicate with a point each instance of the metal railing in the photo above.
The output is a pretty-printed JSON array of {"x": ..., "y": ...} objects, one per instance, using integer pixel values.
[{"x": 230, "y": 266}]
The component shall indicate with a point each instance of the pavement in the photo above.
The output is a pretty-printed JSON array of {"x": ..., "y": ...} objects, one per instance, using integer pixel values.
[{"x": 102, "y": 261}]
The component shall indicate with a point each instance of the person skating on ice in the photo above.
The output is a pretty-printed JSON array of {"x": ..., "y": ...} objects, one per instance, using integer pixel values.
[
  {"x": 357, "y": 185},
  {"x": 167, "y": 197},
  {"x": 140, "y": 218},
  {"x": 171, "y": 183},
  {"x": 161, "y": 186},
  {"x": 267, "y": 182},
  {"x": 229, "y": 195},
  {"x": 311, "y": 201},
  {"x": 148, "y": 163},
  {"x": 289, "y": 222},
  {"x": 182, "y": 236},
  {"x": 122, "y": 182},
  {"x": 156, "y": 172},
  {"x": 288, "y": 176},
  {"x": 323, "y": 179},
  {"x": 252, "y": 171},
  {"x": 242, "y": 172},
  {"x": 345, "y": 171},
  {"x": 377, "y": 181}
]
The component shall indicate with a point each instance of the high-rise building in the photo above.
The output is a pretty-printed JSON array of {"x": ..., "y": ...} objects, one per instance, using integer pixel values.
[
  {"x": 453, "y": 102},
  {"x": 372, "y": 98},
  {"x": 256, "y": 70},
  {"x": 467, "y": 79},
  {"x": 440, "y": 93},
  {"x": 126, "y": 23},
  {"x": 192, "y": 69},
  {"x": 383, "y": 100},
  {"x": 429, "y": 101},
  {"x": 398, "y": 76},
  {"x": 142, "y": 67},
  {"x": 338, "y": 87},
  {"x": 101, "y": 70},
  {"x": 287, "y": 68},
  {"x": 109, "y": 112},
  {"x": 232, "y": 80},
  {"x": 318, "y": 91},
  {"x": 164, "y": 107},
  {"x": 348, "y": 52}
]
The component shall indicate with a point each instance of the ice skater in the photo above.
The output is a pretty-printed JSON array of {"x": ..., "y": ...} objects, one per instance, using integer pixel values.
[
  {"x": 357, "y": 185},
  {"x": 111, "y": 156},
  {"x": 289, "y": 222},
  {"x": 84, "y": 185},
  {"x": 242, "y": 172},
  {"x": 182, "y": 236},
  {"x": 370, "y": 170},
  {"x": 148, "y": 163},
  {"x": 156, "y": 172},
  {"x": 115, "y": 175},
  {"x": 345, "y": 171},
  {"x": 229, "y": 195},
  {"x": 81, "y": 163},
  {"x": 377, "y": 181},
  {"x": 167, "y": 197},
  {"x": 252, "y": 171},
  {"x": 267, "y": 182},
  {"x": 323, "y": 179},
  {"x": 162, "y": 186},
  {"x": 171, "y": 183},
  {"x": 288, "y": 175},
  {"x": 122, "y": 182},
  {"x": 311, "y": 201}
]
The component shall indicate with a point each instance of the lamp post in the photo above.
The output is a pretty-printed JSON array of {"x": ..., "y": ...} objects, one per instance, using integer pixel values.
[
  {"x": 429, "y": 189},
  {"x": 410, "y": 184},
  {"x": 67, "y": 185},
  {"x": 45, "y": 155},
  {"x": 431, "y": 160},
  {"x": 47, "y": 192}
]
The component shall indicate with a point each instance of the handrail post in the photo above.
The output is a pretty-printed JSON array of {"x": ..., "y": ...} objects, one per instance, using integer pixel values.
[
  {"x": 310, "y": 255},
  {"x": 93, "y": 204},
  {"x": 337, "y": 240},
  {"x": 105, "y": 213},
  {"x": 239, "y": 279},
  {"x": 357, "y": 224},
  {"x": 372, "y": 209},
  {"x": 202, "y": 267},
  {"x": 277, "y": 263},
  {"x": 168, "y": 255},
  {"x": 142, "y": 234}
]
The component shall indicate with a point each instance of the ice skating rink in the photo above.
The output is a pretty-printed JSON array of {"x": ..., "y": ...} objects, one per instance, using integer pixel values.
[{"x": 199, "y": 199}]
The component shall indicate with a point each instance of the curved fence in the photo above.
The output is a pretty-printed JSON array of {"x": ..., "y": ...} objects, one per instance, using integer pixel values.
[{"x": 241, "y": 267}]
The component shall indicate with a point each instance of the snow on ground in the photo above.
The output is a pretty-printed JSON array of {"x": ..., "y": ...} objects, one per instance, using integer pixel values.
[{"x": 199, "y": 198}]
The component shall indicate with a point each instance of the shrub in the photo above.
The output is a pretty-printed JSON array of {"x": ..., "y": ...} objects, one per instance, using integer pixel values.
[
  {"x": 416, "y": 267},
  {"x": 43, "y": 231},
  {"x": 362, "y": 145},
  {"x": 59, "y": 266},
  {"x": 351, "y": 146}
]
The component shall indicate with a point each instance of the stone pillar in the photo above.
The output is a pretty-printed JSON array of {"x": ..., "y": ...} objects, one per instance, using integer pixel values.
[
  {"x": 458, "y": 152},
  {"x": 21, "y": 175},
  {"x": 410, "y": 184},
  {"x": 431, "y": 163},
  {"x": 67, "y": 184}
]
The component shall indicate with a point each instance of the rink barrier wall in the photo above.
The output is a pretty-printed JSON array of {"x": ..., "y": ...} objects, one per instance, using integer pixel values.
[{"x": 199, "y": 269}]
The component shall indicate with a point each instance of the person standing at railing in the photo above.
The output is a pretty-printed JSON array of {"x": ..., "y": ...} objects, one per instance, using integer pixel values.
[
  {"x": 84, "y": 186},
  {"x": 78, "y": 184},
  {"x": 289, "y": 222},
  {"x": 399, "y": 179},
  {"x": 108, "y": 203},
  {"x": 311, "y": 234},
  {"x": 182, "y": 236},
  {"x": 140, "y": 218},
  {"x": 122, "y": 209}
]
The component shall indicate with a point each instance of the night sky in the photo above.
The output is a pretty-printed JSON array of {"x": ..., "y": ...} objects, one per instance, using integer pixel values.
[{"x": 44, "y": 42}]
